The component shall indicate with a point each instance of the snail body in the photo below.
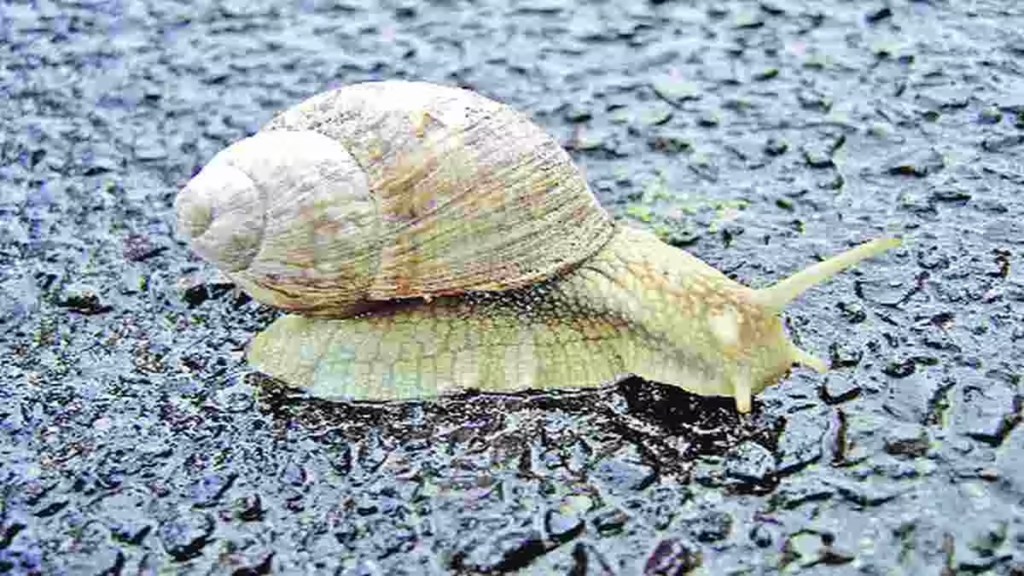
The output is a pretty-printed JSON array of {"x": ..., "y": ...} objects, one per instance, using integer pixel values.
[{"x": 430, "y": 241}]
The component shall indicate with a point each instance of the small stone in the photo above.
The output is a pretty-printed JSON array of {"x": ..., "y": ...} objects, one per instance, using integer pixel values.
[
  {"x": 839, "y": 387},
  {"x": 943, "y": 98},
  {"x": 748, "y": 20},
  {"x": 793, "y": 495},
  {"x": 209, "y": 489},
  {"x": 578, "y": 112},
  {"x": 800, "y": 441},
  {"x": 774, "y": 146},
  {"x": 876, "y": 15},
  {"x": 986, "y": 411},
  {"x": 148, "y": 149},
  {"x": 1001, "y": 143},
  {"x": 562, "y": 527},
  {"x": 200, "y": 287},
  {"x": 919, "y": 163},
  {"x": 662, "y": 504},
  {"x": 761, "y": 536},
  {"x": 917, "y": 203},
  {"x": 990, "y": 115},
  {"x": 673, "y": 557},
  {"x": 808, "y": 548},
  {"x": 865, "y": 493},
  {"x": 817, "y": 156},
  {"x": 707, "y": 119},
  {"x": 610, "y": 521},
  {"x": 905, "y": 439},
  {"x": 772, "y": 8},
  {"x": 950, "y": 194},
  {"x": 675, "y": 90},
  {"x": 654, "y": 114},
  {"x": 1012, "y": 104},
  {"x": 814, "y": 100},
  {"x": 803, "y": 548},
  {"x": 853, "y": 312},
  {"x": 624, "y": 471},
  {"x": 589, "y": 140},
  {"x": 900, "y": 368},
  {"x": 844, "y": 355},
  {"x": 248, "y": 508},
  {"x": 750, "y": 463},
  {"x": 766, "y": 74},
  {"x": 184, "y": 537},
  {"x": 84, "y": 299},
  {"x": 670, "y": 142},
  {"x": 505, "y": 552},
  {"x": 566, "y": 522},
  {"x": 540, "y": 6},
  {"x": 711, "y": 527},
  {"x": 137, "y": 248},
  {"x": 255, "y": 564},
  {"x": 681, "y": 238},
  {"x": 102, "y": 163}
]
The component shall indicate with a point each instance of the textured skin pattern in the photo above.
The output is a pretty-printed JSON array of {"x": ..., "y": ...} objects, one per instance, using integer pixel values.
[{"x": 639, "y": 307}]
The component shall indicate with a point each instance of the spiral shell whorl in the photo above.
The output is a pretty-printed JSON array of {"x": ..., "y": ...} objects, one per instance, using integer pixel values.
[
  {"x": 391, "y": 190},
  {"x": 289, "y": 216}
]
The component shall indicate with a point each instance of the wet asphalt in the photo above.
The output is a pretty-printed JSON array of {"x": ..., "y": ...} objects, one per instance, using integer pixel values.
[{"x": 760, "y": 136}]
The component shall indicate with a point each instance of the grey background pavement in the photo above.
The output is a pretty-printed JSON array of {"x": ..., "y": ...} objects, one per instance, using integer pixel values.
[{"x": 758, "y": 135}]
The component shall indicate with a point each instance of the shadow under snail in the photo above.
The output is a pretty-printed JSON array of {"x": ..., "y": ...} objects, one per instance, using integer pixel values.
[{"x": 429, "y": 240}]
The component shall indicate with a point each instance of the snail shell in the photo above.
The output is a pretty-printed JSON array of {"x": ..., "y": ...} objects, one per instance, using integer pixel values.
[{"x": 389, "y": 190}]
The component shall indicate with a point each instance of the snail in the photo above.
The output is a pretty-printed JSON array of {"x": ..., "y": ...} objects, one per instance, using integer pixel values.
[{"x": 428, "y": 240}]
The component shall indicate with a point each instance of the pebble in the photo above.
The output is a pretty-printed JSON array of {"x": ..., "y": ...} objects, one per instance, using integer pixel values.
[
  {"x": 817, "y": 155},
  {"x": 138, "y": 248},
  {"x": 919, "y": 163},
  {"x": 505, "y": 552},
  {"x": 750, "y": 463},
  {"x": 1002, "y": 143},
  {"x": 791, "y": 495},
  {"x": 712, "y": 526},
  {"x": 876, "y": 15},
  {"x": 185, "y": 536},
  {"x": 814, "y": 101},
  {"x": 907, "y": 439},
  {"x": 670, "y": 142},
  {"x": 839, "y": 387},
  {"x": 950, "y": 194},
  {"x": 775, "y": 146},
  {"x": 675, "y": 90},
  {"x": 800, "y": 441},
  {"x": 202, "y": 286},
  {"x": 990, "y": 115},
  {"x": 624, "y": 472},
  {"x": 84, "y": 299},
  {"x": 808, "y": 548},
  {"x": 610, "y": 521},
  {"x": 986, "y": 410},
  {"x": 209, "y": 489},
  {"x": 673, "y": 557},
  {"x": 707, "y": 119},
  {"x": 562, "y": 526}
]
